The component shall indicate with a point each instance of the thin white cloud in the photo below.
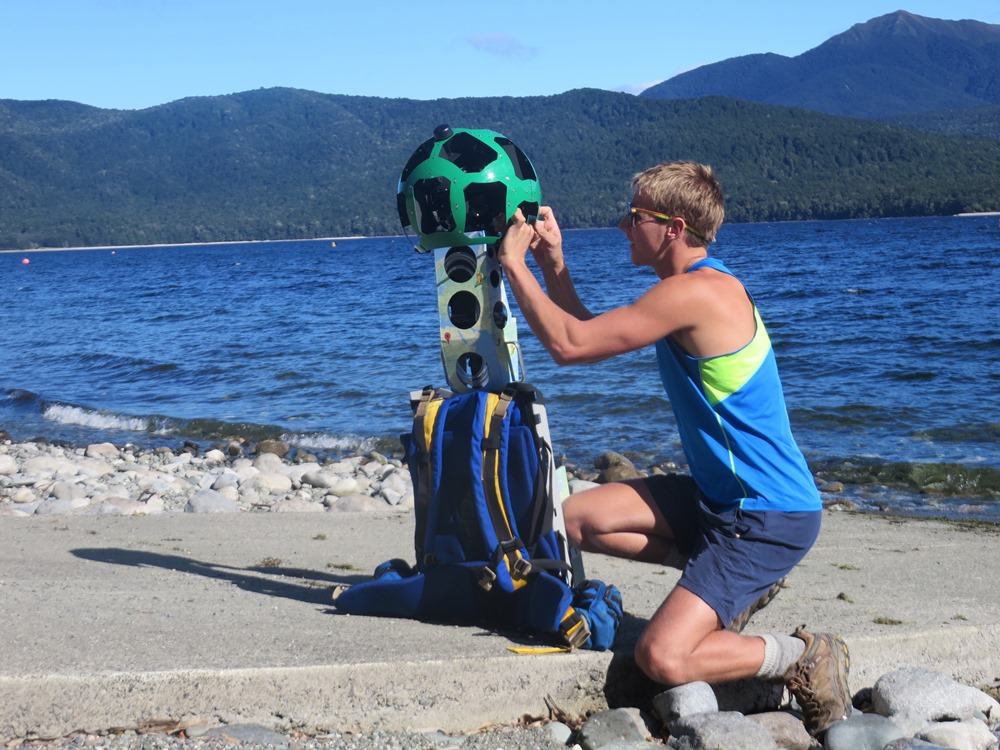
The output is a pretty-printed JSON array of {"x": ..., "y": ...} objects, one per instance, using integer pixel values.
[
  {"x": 638, "y": 88},
  {"x": 500, "y": 45},
  {"x": 635, "y": 88}
]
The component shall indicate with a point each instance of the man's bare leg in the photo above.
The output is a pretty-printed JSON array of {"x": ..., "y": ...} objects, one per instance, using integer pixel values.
[
  {"x": 620, "y": 519},
  {"x": 684, "y": 642}
]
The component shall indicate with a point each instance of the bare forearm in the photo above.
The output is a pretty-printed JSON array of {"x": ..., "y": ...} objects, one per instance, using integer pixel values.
[
  {"x": 562, "y": 291},
  {"x": 548, "y": 320}
]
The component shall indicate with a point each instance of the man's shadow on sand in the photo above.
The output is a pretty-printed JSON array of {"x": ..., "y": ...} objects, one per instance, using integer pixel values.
[
  {"x": 286, "y": 583},
  {"x": 275, "y": 580},
  {"x": 625, "y": 684}
]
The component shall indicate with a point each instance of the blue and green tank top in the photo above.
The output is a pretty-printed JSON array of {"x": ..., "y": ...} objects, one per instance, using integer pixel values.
[{"x": 733, "y": 423}]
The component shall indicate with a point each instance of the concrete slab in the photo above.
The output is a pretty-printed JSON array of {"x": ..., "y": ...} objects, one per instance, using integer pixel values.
[{"x": 106, "y": 622}]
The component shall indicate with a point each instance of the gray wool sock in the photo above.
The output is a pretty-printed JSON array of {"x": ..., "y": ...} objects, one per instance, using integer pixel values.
[{"x": 780, "y": 653}]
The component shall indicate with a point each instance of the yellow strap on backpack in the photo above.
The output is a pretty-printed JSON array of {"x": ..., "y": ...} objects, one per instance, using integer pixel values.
[
  {"x": 573, "y": 628},
  {"x": 496, "y": 408}
]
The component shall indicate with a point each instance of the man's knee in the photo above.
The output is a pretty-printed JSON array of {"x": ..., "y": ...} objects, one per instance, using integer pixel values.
[
  {"x": 574, "y": 520},
  {"x": 661, "y": 663}
]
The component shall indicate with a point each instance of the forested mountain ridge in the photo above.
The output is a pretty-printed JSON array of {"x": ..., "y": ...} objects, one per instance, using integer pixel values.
[{"x": 287, "y": 163}]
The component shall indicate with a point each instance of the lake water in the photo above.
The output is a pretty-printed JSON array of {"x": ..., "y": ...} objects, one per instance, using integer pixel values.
[{"x": 887, "y": 334}]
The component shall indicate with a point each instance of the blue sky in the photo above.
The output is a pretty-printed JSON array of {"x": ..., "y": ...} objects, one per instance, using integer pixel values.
[{"x": 132, "y": 54}]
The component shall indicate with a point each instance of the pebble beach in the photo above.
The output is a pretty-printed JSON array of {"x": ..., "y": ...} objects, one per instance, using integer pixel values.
[
  {"x": 100, "y": 479},
  {"x": 913, "y": 706}
]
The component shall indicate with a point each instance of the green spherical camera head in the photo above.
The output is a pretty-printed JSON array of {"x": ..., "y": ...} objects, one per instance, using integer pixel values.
[{"x": 463, "y": 182}]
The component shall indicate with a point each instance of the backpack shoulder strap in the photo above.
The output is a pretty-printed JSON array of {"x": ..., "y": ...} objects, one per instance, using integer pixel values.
[
  {"x": 425, "y": 413},
  {"x": 509, "y": 551}
]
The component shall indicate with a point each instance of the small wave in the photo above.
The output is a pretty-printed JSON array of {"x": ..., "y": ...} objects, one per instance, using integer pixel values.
[
  {"x": 217, "y": 429},
  {"x": 98, "y": 420},
  {"x": 123, "y": 366},
  {"x": 163, "y": 367},
  {"x": 969, "y": 433},
  {"x": 343, "y": 444},
  {"x": 943, "y": 479},
  {"x": 912, "y": 375},
  {"x": 21, "y": 398},
  {"x": 848, "y": 416}
]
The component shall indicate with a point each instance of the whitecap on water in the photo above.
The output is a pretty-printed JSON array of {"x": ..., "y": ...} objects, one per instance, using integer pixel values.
[{"x": 74, "y": 415}]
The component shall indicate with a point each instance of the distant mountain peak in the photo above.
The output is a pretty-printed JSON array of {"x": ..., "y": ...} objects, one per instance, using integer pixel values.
[{"x": 892, "y": 65}]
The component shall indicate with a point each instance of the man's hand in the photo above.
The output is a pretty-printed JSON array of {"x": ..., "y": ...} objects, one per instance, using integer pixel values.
[
  {"x": 547, "y": 245},
  {"x": 520, "y": 235}
]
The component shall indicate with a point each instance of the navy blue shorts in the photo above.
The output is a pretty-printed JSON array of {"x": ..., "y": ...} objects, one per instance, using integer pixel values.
[{"x": 735, "y": 555}]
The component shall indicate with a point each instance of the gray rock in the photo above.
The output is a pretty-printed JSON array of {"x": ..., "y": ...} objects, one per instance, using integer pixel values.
[
  {"x": 93, "y": 467},
  {"x": 268, "y": 462},
  {"x": 786, "y": 728},
  {"x": 8, "y": 465},
  {"x": 54, "y": 507},
  {"x": 273, "y": 483},
  {"x": 225, "y": 479},
  {"x": 749, "y": 696},
  {"x": 249, "y": 497},
  {"x": 911, "y": 695},
  {"x": 910, "y": 742},
  {"x": 68, "y": 491},
  {"x": 26, "y": 496},
  {"x": 162, "y": 485},
  {"x": 275, "y": 447},
  {"x": 322, "y": 479},
  {"x": 610, "y": 458},
  {"x": 48, "y": 466},
  {"x": 971, "y": 734},
  {"x": 862, "y": 732},
  {"x": 345, "y": 485},
  {"x": 391, "y": 496},
  {"x": 215, "y": 456},
  {"x": 102, "y": 450},
  {"x": 354, "y": 503},
  {"x": 231, "y": 492},
  {"x": 725, "y": 730},
  {"x": 558, "y": 731},
  {"x": 210, "y": 501},
  {"x": 342, "y": 467},
  {"x": 299, "y": 470},
  {"x": 581, "y": 485},
  {"x": 298, "y": 505},
  {"x": 618, "y": 726},
  {"x": 685, "y": 700},
  {"x": 249, "y": 734},
  {"x": 618, "y": 473},
  {"x": 112, "y": 505}
]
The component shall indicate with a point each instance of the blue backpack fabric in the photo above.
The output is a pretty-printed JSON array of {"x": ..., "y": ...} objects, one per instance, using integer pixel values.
[{"x": 489, "y": 543}]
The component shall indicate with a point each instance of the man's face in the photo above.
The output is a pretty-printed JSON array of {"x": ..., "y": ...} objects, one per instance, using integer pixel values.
[{"x": 645, "y": 233}]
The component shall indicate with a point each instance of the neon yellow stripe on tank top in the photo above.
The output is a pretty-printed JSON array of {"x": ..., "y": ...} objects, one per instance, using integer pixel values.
[{"x": 724, "y": 375}]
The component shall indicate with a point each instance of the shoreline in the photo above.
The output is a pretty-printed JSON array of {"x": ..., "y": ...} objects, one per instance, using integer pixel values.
[
  {"x": 46, "y": 479},
  {"x": 100, "y": 479},
  {"x": 969, "y": 214},
  {"x": 187, "y": 244}
]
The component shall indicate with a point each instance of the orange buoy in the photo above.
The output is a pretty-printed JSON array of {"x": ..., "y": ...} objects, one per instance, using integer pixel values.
[{"x": 25, "y": 262}]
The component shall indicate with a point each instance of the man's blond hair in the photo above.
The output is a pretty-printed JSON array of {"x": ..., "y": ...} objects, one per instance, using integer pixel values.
[{"x": 688, "y": 190}]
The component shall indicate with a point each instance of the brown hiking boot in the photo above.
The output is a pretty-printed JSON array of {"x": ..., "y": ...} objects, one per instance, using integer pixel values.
[
  {"x": 766, "y": 598},
  {"x": 818, "y": 680}
]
